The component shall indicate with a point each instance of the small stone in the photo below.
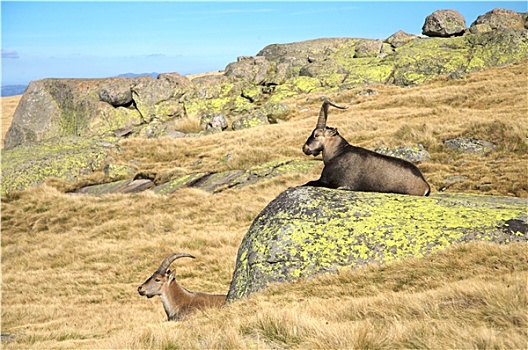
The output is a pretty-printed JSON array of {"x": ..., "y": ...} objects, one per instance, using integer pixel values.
[{"x": 469, "y": 145}]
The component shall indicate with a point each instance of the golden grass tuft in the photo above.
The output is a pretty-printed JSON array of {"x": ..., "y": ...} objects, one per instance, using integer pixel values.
[{"x": 71, "y": 264}]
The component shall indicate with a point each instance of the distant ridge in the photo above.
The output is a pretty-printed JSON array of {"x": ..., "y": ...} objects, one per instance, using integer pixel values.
[
  {"x": 12, "y": 90},
  {"x": 134, "y": 75}
]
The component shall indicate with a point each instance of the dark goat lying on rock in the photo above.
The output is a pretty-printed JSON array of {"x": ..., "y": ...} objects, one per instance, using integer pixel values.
[{"x": 358, "y": 169}]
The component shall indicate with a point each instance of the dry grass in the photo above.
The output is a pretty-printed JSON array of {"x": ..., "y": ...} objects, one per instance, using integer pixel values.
[
  {"x": 71, "y": 264},
  {"x": 7, "y": 110}
]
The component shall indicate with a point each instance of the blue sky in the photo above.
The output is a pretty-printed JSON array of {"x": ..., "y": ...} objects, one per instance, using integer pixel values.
[{"x": 98, "y": 39}]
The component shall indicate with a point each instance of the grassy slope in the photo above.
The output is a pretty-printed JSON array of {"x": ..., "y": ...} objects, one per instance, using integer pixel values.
[
  {"x": 8, "y": 106},
  {"x": 71, "y": 264}
]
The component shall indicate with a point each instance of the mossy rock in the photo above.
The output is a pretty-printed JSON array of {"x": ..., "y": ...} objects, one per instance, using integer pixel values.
[
  {"x": 250, "y": 121},
  {"x": 421, "y": 60},
  {"x": 118, "y": 171},
  {"x": 66, "y": 158},
  {"x": 275, "y": 111},
  {"x": 216, "y": 95},
  {"x": 307, "y": 231},
  {"x": 108, "y": 120},
  {"x": 497, "y": 48},
  {"x": 157, "y": 98}
]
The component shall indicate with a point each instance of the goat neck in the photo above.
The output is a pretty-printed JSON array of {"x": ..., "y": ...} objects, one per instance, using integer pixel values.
[
  {"x": 335, "y": 145},
  {"x": 176, "y": 300}
]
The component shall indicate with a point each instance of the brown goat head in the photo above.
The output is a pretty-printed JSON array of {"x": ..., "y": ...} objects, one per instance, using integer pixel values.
[{"x": 161, "y": 278}]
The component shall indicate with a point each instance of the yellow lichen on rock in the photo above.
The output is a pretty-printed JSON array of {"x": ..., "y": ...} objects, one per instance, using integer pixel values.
[{"x": 306, "y": 231}]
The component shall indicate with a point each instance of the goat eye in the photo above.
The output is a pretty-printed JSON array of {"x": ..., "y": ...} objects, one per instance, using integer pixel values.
[{"x": 157, "y": 280}]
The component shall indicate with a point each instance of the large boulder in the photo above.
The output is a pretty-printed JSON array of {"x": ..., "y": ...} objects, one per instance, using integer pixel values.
[
  {"x": 444, "y": 23},
  {"x": 254, "y": 69},
  {"x": 51, "y": 108},
  {"x": 497, "y": 19},
  {"x": 307, "y": 231},
  {"x": 116, "y": 92}
]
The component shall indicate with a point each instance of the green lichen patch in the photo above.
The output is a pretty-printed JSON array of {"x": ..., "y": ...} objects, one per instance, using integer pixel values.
[
  {"x": 422, "y": 60},
  {"x": 177, "y": 183},
  {"x": 67, "y": 158},
  {"x": 252, "y": 120},
  {"x": 498, "y": 48},
  {"x": 106, "y": 188},
  {"x": 118, "y": 171},
  {"x": 109, "y": 119},
  {"x": 306, "y": 231}
]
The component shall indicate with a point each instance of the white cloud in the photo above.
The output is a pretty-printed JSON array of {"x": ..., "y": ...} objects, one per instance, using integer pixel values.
[{"x": 9, "y": 54}]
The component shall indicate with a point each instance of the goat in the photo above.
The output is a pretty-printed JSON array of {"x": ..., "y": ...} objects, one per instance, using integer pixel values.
[
  {"x": 358, "y": 169},
  {"x": 177, "y": 301}
]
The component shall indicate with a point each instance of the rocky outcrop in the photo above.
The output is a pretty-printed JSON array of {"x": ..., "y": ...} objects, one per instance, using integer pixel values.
[
  {"x": 306, "y": 231},
  {"x": 94, "y": 107},
  {"x": 147, "y": 106},
  {"x": 252, "y": 90},
  {"x": 210, "y": 182},
  {"x": 444, "y": 23}
]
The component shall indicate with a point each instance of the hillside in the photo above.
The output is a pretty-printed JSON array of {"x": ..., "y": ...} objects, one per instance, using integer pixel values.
[{"x": 71, "y": 264}]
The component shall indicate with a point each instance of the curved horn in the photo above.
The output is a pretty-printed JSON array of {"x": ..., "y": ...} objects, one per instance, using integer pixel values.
[
  {"x": 323, "y": 114},
  {"x": 168, "y": 260}
]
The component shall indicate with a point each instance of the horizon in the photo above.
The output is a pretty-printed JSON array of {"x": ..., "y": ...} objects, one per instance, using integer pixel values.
[{"x": 105, "y": 39}]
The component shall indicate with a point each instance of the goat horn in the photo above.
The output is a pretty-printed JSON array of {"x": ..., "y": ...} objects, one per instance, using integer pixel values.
[
  {"x": 323, "y": 114},
  {"x": 168, "y": 260}
]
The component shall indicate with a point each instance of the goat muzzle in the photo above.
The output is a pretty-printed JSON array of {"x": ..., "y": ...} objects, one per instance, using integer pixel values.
[{"x": 308, "y": 151}]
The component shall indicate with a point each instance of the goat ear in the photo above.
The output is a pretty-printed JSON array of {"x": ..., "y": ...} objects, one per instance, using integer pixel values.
[
  {"x": 171, "y": 275},
  {"x": 332, "y": 131}
]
